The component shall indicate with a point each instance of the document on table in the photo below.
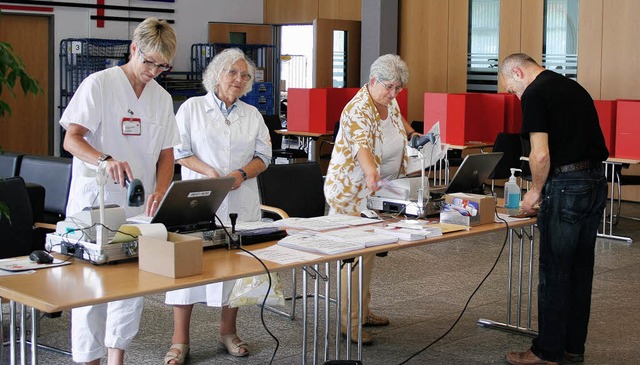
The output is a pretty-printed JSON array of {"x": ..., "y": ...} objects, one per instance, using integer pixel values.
[
  {"x": 282, "y": 255},
  {"x": 317, "y": 244}
]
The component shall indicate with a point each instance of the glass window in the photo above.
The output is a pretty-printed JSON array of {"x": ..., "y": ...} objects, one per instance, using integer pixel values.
[
  {"x": 339, "y": 58},
  {"x": 484, "y": 41},
  {"x": 560, "y": 48}
]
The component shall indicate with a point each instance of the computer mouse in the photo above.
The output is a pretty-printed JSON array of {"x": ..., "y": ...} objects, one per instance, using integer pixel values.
[
  {"x": 368, "y": 213},
  {"x": 41, "y": 257}
]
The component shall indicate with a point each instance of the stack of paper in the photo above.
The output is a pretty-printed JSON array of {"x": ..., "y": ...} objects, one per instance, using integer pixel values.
[
  {"x": 312, "y": 243},
  {"x": 409, "y": 234}
]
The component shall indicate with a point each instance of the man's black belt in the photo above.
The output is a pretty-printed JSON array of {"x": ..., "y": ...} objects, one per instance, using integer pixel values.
[{"x": 582, "y": 165}]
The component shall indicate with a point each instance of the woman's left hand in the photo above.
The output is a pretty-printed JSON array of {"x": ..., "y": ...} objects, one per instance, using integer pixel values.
[{"x": 153, "y": 201}]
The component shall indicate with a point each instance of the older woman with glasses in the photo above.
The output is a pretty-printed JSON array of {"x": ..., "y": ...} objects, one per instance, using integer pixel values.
[
  {"x": 370, "y": 147},
  {"x": 221, "y": 136}
]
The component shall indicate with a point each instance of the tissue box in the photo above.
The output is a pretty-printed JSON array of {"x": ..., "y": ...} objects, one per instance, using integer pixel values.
[
  {"x": 468, "y": 209},
  {"x": 176, "y": 257}
]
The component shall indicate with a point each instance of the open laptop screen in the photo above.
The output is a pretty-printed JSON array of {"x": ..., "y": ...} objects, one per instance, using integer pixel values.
[
  {"x": 473, "y": 172},
  {"x": 190, "y": 205}
]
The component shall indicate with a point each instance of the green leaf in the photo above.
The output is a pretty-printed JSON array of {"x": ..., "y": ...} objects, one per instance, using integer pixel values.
[{"x": 5, "y": 211}]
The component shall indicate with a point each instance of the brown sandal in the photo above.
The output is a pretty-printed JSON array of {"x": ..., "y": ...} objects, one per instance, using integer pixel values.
[
  {"x": 178, "y": 358},
  {"x": 235, "y": 349}
]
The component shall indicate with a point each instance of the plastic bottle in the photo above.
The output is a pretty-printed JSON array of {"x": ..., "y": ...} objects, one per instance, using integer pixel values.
[{"x": 512, "y": 191}]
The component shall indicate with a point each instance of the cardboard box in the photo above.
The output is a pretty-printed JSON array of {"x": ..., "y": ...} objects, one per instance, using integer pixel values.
[
  {"x": 176, "y": 257},
  {"x": 480, "y": 209}
]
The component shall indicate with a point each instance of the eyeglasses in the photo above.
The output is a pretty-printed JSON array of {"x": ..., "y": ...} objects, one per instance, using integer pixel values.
[
  {"x": 163, "y": 66},
  {"x": 391, "y": 87},
  {"x": 233, "y": 73}
]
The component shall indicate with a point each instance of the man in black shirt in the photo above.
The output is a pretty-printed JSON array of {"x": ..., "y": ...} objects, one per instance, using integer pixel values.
[{"x": 569, "y": 191}]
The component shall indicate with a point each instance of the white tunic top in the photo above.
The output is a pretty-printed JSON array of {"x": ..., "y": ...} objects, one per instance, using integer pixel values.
[
  {"x": 102, "y": 100},
  {"x": 226, "y": 144}
]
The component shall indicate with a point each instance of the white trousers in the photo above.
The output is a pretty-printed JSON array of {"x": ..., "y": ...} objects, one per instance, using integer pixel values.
[
  {"x": 95, "y": 328},
  {"x": 213, "y": 295}
]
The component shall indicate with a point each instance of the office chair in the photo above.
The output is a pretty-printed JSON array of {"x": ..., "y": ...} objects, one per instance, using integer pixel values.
[
  {"x": 54, "y": 174},
  {"x": 511, "y": 147},
  {"x": 9, "y": 164},
  {"x": 291, "y": 154},
  {"x": 17, "y": 222},
  {"x": 324, "y": 150},
  {"x": 292, "y": 190}
]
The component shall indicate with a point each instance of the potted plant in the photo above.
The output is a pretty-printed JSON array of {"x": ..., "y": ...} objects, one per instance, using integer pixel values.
[{"x": 12, "y": 70}]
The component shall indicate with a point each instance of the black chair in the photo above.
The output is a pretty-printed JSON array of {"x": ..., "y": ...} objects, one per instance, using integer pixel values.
[
  {"x": 9, "y": 164},
  {"x": 324, "y": 150},
  {"x": 511, "y": 147},
  {"x": 296, "y": 189},
  {"x": 17, "y": 217},
  {"x": 292, "y": 190},
  {"x": 54, "y": 174},
  {"x": 290, "y": 154}
]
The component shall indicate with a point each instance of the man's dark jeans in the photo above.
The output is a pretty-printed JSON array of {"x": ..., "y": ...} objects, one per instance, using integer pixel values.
[{"x": 569, "y": 216}]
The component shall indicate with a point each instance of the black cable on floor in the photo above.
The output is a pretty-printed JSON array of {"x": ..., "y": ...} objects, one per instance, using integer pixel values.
[
  {"x": 264, "y": 301},
  {"x": 504, "y": 243}
]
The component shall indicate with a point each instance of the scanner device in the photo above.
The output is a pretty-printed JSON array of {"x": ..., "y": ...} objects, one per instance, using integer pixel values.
[{"x": 135, "y": 192}]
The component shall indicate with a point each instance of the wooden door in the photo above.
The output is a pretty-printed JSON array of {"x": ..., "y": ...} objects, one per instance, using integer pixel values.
[
  {"x": 323, "y": 60},
  {"x": 29, "y": 129}
]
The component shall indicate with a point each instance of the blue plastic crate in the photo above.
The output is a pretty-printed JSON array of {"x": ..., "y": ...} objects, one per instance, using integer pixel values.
[
  {"x": 258, "y": 100},
  {"x": 262, "y": 88}
]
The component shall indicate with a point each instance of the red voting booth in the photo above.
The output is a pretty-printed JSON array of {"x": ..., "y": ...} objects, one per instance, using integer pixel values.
[
  {"x": 607, "y": 115},
  {"x": 627, "y": 129},
  {"x": 470, "y": 117},
  {"x": 317, "y": 110}
]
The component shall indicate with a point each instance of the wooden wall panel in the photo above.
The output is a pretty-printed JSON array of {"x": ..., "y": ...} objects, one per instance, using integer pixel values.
[
  {"x": 29, "y": 129},
  {"x": 620, "y": 49},
  {"x": 531, "y": 28},
  {"x": 340, "y": 9},
  {"x": 590, "y": 46},
  {"x": 423, "y": 45},
  {"x": 323, "y": 62},
  {"x": 290, "y": 11},
  {"x": 256, "y": 34},
  {"x": 458, "y": 36}
]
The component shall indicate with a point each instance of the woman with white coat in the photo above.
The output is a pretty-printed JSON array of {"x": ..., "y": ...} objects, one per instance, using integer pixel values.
[{"x": 220, "y": 136}]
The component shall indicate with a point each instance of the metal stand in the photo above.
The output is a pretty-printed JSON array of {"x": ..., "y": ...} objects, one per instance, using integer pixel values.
[
  {"x": 516, "y": 324},
  {"x": 607, "y": 227}
]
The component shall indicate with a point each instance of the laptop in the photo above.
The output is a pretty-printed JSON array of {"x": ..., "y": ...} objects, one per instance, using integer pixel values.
[
  {"x": 472, "y": 173},
  {"x": 190, "y": 205}
]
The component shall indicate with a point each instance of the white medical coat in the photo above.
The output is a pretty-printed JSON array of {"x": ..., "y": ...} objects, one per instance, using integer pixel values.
[
  {"x": 102, "y": 100},
  {"x": 226, "y": 144}
]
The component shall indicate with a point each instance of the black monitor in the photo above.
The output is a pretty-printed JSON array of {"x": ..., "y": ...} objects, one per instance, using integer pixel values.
[
  {"x": 190, "y": 205},
  {"x": 473, "y": 172}
]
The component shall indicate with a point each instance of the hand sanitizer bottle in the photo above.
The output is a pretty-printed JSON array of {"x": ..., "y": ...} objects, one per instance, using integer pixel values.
[{"x": 512, "y": 192}]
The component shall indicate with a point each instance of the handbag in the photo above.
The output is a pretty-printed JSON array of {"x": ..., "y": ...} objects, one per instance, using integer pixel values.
[{"x": 252, "y": 290}]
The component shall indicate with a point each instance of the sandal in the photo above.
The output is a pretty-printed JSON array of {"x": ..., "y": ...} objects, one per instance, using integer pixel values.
[
  {"x": 177, "y": 357},
  {"x": 238, "y": 349}
]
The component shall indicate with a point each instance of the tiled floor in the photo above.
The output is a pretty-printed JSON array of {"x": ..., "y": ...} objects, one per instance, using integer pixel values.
[{"x": 423, "y": 291}]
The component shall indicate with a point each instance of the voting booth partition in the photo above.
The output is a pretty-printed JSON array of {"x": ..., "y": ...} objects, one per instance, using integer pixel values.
[{"x": 318, "y": 109}]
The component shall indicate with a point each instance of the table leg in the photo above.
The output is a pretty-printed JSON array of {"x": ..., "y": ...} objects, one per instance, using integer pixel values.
[
  {"x": 12, "y": 333},
  {"x": 23, "y": 334},
  {"x": 607, "y": 227},
  {"x": 509, "y": 324},
  {"x": 34, "y": 335},
  {"x": 304, "y": 317}
]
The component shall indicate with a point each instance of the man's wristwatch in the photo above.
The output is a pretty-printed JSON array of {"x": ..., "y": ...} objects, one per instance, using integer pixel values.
[
  {"x": 243, "y": 173},
  {"x": 103, "y": 157}
]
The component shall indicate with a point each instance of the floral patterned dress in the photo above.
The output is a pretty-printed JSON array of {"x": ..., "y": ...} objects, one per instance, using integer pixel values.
[{"x": 345, "y": 187}]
